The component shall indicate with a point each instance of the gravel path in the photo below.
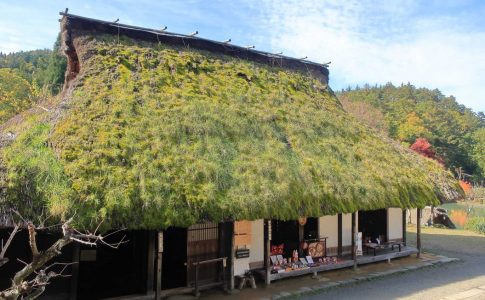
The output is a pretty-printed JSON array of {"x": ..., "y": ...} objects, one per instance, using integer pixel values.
[{"x": 460, "y": 280}]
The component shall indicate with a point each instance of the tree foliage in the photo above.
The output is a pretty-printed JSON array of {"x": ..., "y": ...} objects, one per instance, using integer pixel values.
[
  {"x": 15, "y": 94},
  {"x": 412, "y": 128},
  {"x": 466, "y": 186},
  {"x": 423, "y": 147},
  {"x": 478, "y": 148},
  {"x": 410, "y": 113},
  {"x": 40, "y": 68},
  {"x": 366, "y": 113}
]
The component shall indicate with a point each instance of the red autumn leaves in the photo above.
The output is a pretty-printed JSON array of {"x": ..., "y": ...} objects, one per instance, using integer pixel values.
[{"x": 423, "y": 147}]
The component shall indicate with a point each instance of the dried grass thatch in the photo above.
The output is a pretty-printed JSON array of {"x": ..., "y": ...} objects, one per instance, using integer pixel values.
[{"x": 154, "y": 135}]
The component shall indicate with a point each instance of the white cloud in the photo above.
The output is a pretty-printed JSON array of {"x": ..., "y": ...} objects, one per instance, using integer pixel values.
[{"x": 380, "y": 42}]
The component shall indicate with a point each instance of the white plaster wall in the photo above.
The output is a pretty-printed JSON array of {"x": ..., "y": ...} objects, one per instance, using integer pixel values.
[
  {"x": 257, "y": 241},
  {"x": 256, "y": 248},
  {"x": 411, "y": 215},
  {"x": 241, "y": 265},
  {"x": 328, "y": 227},
  {"x": 394, "y": 223},
  {"x": 346, "y": 229}
]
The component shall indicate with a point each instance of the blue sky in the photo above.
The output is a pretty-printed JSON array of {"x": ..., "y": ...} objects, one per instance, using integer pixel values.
[{"x": 434, "y": 44}]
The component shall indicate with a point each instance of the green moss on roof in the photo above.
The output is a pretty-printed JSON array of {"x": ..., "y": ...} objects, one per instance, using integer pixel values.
[
  {"x": 158, "y": 136},
  {"x": 35, "y": 176}
]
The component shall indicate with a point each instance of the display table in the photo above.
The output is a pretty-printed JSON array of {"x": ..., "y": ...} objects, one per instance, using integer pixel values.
[
  {"x": 317, "y": 267},
  {"x": 386, "y": 245},
  {"x": 310, "y": 270}
]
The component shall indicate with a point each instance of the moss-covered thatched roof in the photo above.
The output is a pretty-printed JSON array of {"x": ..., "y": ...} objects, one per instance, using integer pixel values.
[{"x": 150, "y": 135}]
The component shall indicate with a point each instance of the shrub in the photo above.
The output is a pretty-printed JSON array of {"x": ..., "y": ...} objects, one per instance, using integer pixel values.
[{"x": 476, "y": 224}]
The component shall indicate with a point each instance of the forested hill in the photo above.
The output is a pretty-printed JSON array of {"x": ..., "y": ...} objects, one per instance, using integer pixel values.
[
  {"x": 39, "y": 67},
  {"x": 28, "y": 76},
  {"x": 406, "y": 113}
]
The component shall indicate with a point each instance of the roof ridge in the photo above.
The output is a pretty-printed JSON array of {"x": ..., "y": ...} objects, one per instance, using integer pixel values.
[{"x": 191, "y": 38}]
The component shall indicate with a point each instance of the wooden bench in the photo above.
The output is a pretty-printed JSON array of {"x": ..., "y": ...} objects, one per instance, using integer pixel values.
[
  {"x": 247, "y": 278},
  {"x": 386, "y": 245}
]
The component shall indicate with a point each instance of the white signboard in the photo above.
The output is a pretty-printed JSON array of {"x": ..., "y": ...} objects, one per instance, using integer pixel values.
[
  {"x": 87, "y": 255},
  {"x": 358, "y": 240}
]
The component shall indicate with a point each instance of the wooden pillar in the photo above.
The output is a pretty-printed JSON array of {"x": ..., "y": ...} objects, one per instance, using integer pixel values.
[
  {"x": 74, "y": 271},
  {"x": 404, "y": 226},
  {"x": 339, "y": 235},
  {"x": 301, "y": 237},
  {"x": 152, "y": 250},
  {"x": 158, "y": 290},
  {"x": 418, "y": 234},
  {"x": 267, "y": 251},
  {"x": 354, "y": 234},
  {"x": 387, "y": 225},
  {"x": 231, "y": 266},
  {"x": 222, "y": 231}
]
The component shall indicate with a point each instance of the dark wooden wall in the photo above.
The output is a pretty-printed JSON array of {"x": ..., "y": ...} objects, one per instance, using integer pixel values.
[
  {"x": 115, "y": 272},
  {"x": 19, "y": 249}
]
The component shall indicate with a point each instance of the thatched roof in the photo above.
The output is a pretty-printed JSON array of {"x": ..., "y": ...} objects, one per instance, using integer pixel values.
[{"x": 149, "y": 134}]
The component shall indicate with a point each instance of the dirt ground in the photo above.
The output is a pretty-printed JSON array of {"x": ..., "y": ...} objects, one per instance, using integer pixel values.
[{"x": 459, "y": 280}]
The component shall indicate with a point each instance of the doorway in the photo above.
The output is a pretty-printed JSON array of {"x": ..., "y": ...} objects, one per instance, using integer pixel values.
[
  {"x": 291, "y": 234},
  {"x": 202, "y": 244},
  {"x": 174, "y": 269},
  {"x": 373, "y": 225},
  {"x": 311, "y": 229},
  {"x": 106, "y": 272}
]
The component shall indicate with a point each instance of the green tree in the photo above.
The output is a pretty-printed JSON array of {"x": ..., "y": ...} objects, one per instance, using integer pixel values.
[
  {"x": 412, "y": 112},
  {"x": 15, "y": 94},
  {"x": 412, "y": 128},
  {"x": 41, "y": 68},
  {"x": 54, "y": 77},
  {"x": 478, "y": 148}
]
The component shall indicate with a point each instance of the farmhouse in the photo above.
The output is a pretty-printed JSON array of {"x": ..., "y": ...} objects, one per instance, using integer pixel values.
[{"x": 216, "y": 159}]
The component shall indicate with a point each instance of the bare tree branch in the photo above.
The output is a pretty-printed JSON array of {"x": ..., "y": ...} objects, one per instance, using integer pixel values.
[
  {"x": 21, "y": 261},
  {"x": 25, "y": 288},
  {"x": 32, "y": 240},
  {"x": 3, "y": 259}
]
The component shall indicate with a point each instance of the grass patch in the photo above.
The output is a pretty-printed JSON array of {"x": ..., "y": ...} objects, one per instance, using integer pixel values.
[{"x": 476, "y": 224}]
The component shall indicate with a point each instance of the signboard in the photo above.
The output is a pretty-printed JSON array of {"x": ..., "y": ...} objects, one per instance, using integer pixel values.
[
  {"x": 242, "y": 253},
  {"x": 87, "y": 255},
  {"x": 358, "y": 243},
  {"x": 242, "y": 233}
]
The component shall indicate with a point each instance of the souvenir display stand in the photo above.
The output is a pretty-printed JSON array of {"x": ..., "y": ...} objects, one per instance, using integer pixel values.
[{"x": 310, "y": 258}]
